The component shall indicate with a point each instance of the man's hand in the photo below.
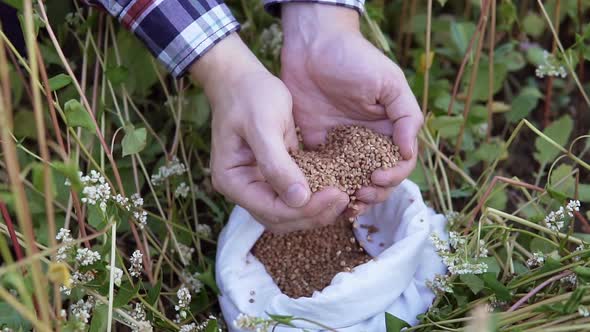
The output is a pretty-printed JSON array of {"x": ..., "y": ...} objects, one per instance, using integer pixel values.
[
  {"x": 252, "y": 131},
  {"x": 336, "y": 77}
]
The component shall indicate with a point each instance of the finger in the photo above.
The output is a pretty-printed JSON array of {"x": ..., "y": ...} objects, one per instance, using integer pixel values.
[
  {"x": 392, "y": 177},
  {"x": 358, "y": 208},
  {"x": 373, "y": 195},
  {"x": 329, "y": 215},
  {"x": 403, "y": 110},
  {"x": 277, "y": 166}
]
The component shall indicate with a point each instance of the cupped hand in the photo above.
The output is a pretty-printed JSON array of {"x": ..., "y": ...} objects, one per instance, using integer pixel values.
[
  {"x": 252, "y": 132},
  {"x": 336, "y": 77}
]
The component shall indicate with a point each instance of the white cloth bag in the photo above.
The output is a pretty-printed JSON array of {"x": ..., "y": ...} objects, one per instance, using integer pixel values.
[{"x": 355, "y": 301}]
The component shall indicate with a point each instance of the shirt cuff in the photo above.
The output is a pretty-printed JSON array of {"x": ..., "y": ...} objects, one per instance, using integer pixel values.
[
  {"x": 177, "y": 32},
  {"x": 273, "y": 6}
]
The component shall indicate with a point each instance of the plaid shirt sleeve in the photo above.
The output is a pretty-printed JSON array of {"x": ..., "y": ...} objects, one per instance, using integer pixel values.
[
  {"x": 177, "y": 32},
  {"x": 273, "y": 6}
]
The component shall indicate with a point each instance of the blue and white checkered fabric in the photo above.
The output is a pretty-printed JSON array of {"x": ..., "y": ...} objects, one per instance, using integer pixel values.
[{"x": 178, "y": 32}]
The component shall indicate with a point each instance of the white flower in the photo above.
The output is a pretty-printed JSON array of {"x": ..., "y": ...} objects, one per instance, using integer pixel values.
[
  {"x": 96, "y": 190},
  {"x": 538, "y": 259},
  {"x": 579, "y": 249},
  {"x": 141, "y": 218},
  {"x": 271, "y": 40},
  {"x": 118, "y": 274},
  {"x": 467, "y": 268},
  {"x": 86, "y": 257},
  {"x": 572, "y": 206},
  {"x": 550, "y": 67},
  {"x": 63, "y": 314},
  {"x": 181, "y": 190},
  {"x": 78, "y": 278},
  {"x": 140, "y": 316},
  {"x": 453, "y": 217},
  {"x": 440, "y": 284},
  {"x": 186, "y": 253},
  {"x": 555, "y": 219},
  {"x": 137, "y": 201},
  {"x": 123, "y": 201},
  {"x": 82, "y": 310},
  {"x": 483, "y": 250},
  {"x": 439, "y": 245},
  {"x": 184, "y": 300},
  {"x": 136, "y": 264},
  {"x": 66, "y": 239},
  {"x": 583, "y": 311},
  {"x": 192, "y": 327},
  {"x": 570, "y": 279},
  {"x": 251, "y": 323},
  {"x": 192, "y": 281},
  {"x": 174, "y": 168},
  {"x": 203, "y": 230}
]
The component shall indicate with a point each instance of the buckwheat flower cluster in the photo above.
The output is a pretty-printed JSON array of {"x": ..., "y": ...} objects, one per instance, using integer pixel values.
[
  {"x": 140, "y": 316},
  {"x": 203, "y": 230},
  {"x": 77, "y": 279},
  {"x": 85, "y": 256},
  {"x": 571, "y": 279},
  {"x": 135, "y": 205},
  {"x": 186, "y": 253},
  {"x": 251, "y": 323},
  {"x": 583, "y": 311},
  {"x": 572, "y": 206},
  {"x": 96, "y": 189},
  {"x": 117, "y": 275},
  {"x": 82, "y": 310},
  {"x": 555, "y": 220},
  {"x": 271, "y": 40},
  {"x": 184, "y": 300},
  {"x": 194, "y": 327},
  {"x": 181, "y": 190},
  {"x": 191, "y": 281},
  {"x": 537, "y": 260},
  {"x": 440, "y": 284},
  {"x": 550, "y": 67},
  {"x": 66, "y": 239},
  {"x": 453, "y": 217},
  {"x": 459, "y": 261},
  {"x": 483, "y": 249},
  {"x": 136, "y": 264},
  {"x": 164, "y": 172},
  {"x": 579, "y": 249}
]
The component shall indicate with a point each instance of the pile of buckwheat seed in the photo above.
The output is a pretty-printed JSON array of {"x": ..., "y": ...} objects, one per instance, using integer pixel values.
[{"x": 305, "y": 261}]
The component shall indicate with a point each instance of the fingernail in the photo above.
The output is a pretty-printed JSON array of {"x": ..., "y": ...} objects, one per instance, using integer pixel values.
[{"x": 296, "y": 195}]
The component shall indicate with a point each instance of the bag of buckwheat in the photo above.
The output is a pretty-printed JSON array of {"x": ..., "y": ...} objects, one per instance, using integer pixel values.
[{"x": 396, "y": 236}]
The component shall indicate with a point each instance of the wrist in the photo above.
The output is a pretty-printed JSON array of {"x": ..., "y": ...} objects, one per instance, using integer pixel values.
[
  {"x": 226, "y": 62},
  {"x": 304, "y": 22}
]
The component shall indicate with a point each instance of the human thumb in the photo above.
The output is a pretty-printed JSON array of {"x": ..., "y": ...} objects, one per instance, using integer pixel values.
[{"x": 279, "y": 169}]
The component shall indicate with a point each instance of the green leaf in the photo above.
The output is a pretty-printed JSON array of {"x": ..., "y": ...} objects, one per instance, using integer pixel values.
[
  {"x": 59, "y": 81},
  {"x": 583, "y": 272},
  {"x": 551, "y": 264},
  {"x": 394, "y": 324},
  {"x": 562, "y": 181},
  {"x": 77, "y": 116},
  {"x": 134, "y": 141},
  {"x": 492, "y": 263},
  {"x": 125, "y": 293},
  {"x": 481, "y": 86},
  {"x": 39, "y": 180},
  {"x": 522, "y": 105},
  {"x": 490, "y": 151},
  {"x": 533, "y": 25},
  {"x": 539, "y": 245},
  {"x": 460, "y": 35},
  {"x": 584, "y": 192},
  {"x": 208, "y": 279},
  {"x": 18, "y": 4},
  {"x": 559, "y": 131},
  {"x": 502, "y": 293},
  {"x": 12, "y": 319},
  {"x": 154, "y": 292},
  {"x": 282, "y": 319},
  {"x": 212, "y": 326},
  {"x": 116, "y": 75},
  {"x": 473, "y": 282},
  {"x": 497, "y": 200},
  {"x": 198, "y": 110},
  {"x": 446, "y": 126},
  {"x": 575, "y": 299},
  {"x": 99, "y": 318},
  {"x": 24, "y": 124}
]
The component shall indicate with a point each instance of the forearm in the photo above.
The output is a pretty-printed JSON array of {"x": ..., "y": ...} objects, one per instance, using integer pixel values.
[{"x": 177, "y": 32}]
